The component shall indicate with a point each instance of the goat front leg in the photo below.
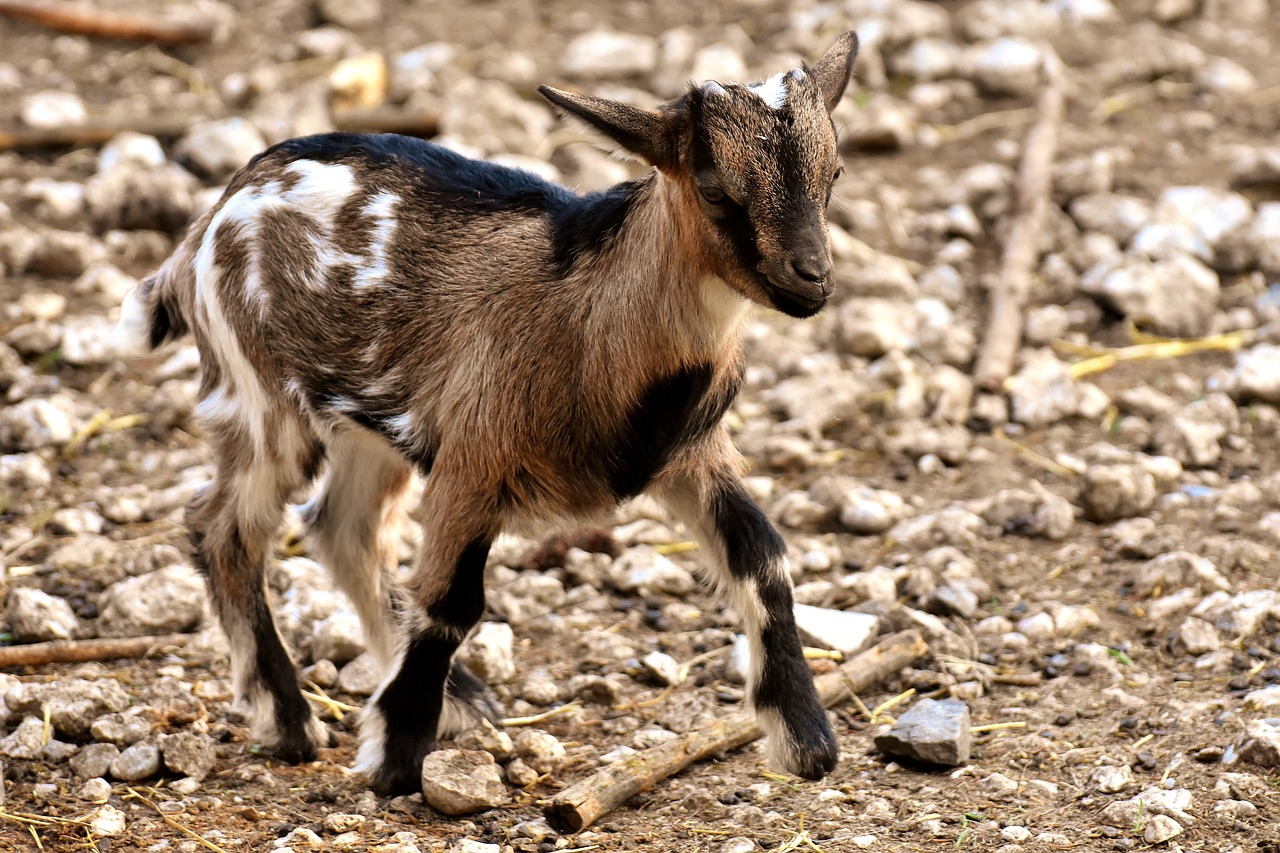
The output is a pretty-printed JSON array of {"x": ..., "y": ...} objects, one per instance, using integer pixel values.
[
  {"x": 426, "y": 694},
  {"x": 750, "y": 566}
]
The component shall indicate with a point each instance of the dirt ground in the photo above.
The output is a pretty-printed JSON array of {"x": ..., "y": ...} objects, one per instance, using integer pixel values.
[{"x": 1062, "y": 714}]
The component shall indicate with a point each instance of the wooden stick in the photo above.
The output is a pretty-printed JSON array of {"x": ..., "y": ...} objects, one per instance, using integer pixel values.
[
  {"x": 79, "y": 651},
  {"x": 376, "y": 120},
  {"x": 85, "y": 20},
  {"x": 580, "y": 805},
  {"x": 1022, "y": 251}
]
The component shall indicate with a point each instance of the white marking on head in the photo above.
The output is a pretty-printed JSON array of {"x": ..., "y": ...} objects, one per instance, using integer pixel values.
[
  {"x": 713, "y": 89},
  {"x": 772, "y": 91}
]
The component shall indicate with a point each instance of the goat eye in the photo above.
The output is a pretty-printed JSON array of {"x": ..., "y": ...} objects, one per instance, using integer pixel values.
[
  {"x": 712, "y": 193},
  {"x": 839, "y": 172}
]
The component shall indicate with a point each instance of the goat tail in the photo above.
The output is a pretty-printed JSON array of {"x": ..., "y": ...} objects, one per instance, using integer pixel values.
[{"x": 152, "y": 313}]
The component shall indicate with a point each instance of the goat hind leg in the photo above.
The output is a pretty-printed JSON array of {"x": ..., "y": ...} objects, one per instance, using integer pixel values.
[{"x": 232, "y": 522}]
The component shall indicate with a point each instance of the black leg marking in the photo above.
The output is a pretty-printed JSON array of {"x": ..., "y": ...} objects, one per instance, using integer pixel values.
[{"x": 405, "y": 715}]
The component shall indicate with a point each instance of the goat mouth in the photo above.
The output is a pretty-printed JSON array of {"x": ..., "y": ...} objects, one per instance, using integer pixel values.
[{"x": 797, "y": 302}]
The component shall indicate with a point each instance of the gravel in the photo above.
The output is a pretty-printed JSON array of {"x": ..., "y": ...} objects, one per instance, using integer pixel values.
[{"x": 458, "y": 782}]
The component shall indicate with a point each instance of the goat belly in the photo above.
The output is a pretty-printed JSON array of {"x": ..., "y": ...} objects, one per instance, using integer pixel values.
[{"x": 673, "y": 412}]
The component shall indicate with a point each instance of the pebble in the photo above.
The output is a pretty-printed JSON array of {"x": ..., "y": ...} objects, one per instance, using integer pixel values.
[
  {"x": 1117, "y": 216},
  {"x": 539, "y": 688},
  {"x": 36, "y": 423},
  {"x": 1113, "y": 492},
  {"x": 520, "y": 774},
  {"x": 120, "y": 729},
  {"x": 27, "y": 741},
  {"x": 50, "y": 110},
  {"x": 845, "y": 631},
  {"x": 1111, "y": 780},
  {"x": 218, "y": 148},
  {"x": 1160, "y": 828},
  {"x": 643, "y": 570},
  {"x": 540, "y": 750},
  {"x": 1007, "y": 66},
  {"x": 189, "y": 754},
  {"x": 490, "y": 652},
  {"x": 458, "y": 782},
  {"x": 166, "y": 601},
  {"x": 137, "y": 762},
  {"x": 94, "y": 760},
  {"x": 663, "y": 667},
  {"x": 73, "y": 703},
  {"x": 35, "y": 616},
  {"x": 96, "y": 790},
  {"x": 351, "y": 14},
  {"x": 338, "y": 637},
  {"x": 528, "y": 597},
  {"x": 106, "y": 821},
  {"x": 604, "y": 54},
  {"x": 871, "y": 327},
  {"x": 1255, "y": 375},
  {"x": 1141, "y": 290},
  {"x": 933, "y": 731},
  {"x": 361, "y": 676}
]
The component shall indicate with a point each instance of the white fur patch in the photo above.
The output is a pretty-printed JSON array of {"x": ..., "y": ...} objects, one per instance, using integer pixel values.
[
  {"x": 726, "y": 308},
  {"x": 772, "y": 91},
  {"x": 381, "y": 208}
]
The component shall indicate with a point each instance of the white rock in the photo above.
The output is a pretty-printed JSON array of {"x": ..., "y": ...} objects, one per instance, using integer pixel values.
[
  {"x": 1117, "y": 216},
  {"x": 36, "y": 422},
  {"x": 872, "y": 327},
  {"x": 928, "y": 59},
  {"x": 1256, "y": 375},
  {"x": 721, "y": 62},
  {"x": 35, "y": 616},
  {"x": 1160, "y": 828},
  {"x": 88, "y": 340},
  {"x": 604, "y": 54},
  {"x": 220, "y": 147},
  {"x": 1196, "y": 637},
  {"x": 866, "y": 510},
  {"x": 663, "y": 667},
  {"x": 738, "y": 664},
  {"x": 643, "y": 569},
  {"x": 845, "y": 631},
  {"x": 132, "y": 149},
  {"x": 1264, "y": 235},
  {"x": 1212, "y": 212},
  {"x": 540, "y": 750},
  {"x": 50, "y": 109},
  {"x": 106, "y": 821},
  {"x": 1007, "y": 66},
  {"x": 338, "y": 637},
  {"x": 1226, "y": 76},
  {"x": 457, "y": 782},
  {"x": 530, "y": 596},
  {"x": 1162, "y": 241},
  {"x": 166, "y": 601},
  {"x": 1043, "y": 391},
  {"x": 1175, "y": 297},
  {"x": 490, "y": 652}
]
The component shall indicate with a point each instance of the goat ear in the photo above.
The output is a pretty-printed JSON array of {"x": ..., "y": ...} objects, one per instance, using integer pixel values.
[
  {"x": 833, "y": 70},
  {"x": 643, "y": 133}
]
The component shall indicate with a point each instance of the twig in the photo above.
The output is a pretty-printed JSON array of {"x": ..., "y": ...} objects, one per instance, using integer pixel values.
[
  {"x": 984, "y": 122},
  {"x": 423, "y": 124},
  {"x": 1035, "y": 179},
  {"x": 91, "y": 133},
  {"x": 79, "y": 651},
  {"x": 582, "y": 804},
  {"x": 84, "y": 20},
  {"x": 1098, "y": 359},
  {"x": 190, "y": 832},
  {"x": 538, "y": 718},
  {"x": 1035, "y": 458}
]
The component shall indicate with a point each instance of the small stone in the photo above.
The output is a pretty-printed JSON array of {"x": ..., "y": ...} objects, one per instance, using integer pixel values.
[
  {"x": 842, "y": 630},
  {"x": 603, "y": 54},
  {"x": 338, "y": 637},
  {"x": 539, "y": 688},
  {"x": 73, "y": 703},
  {"x": 96, "y": 790},
  {"x": 189, "y": 754},
  {"x": 26, "y": 741},
  {"x": 220, "y": 147},
  {"x": 540, "y": 750},
  {"x": 1196, "y": 637},
  {"x": 1160, "y": 828},
  {"x": 35, "y": 616},
  {"x": 934, "y": 731},
  {"x": 490, "y": 652},
  {"x": 360, "y": 677},
  {"x": 1141, "y": 290},
  {"x": 138, "y": 762},
  {"x": 866, "y": 511},
  {"x": 105, "y": 821},
  {"x": 1256, "y": 375},
  {"x": 36, "y": 423},
  {"x": 871, "y": 326},
  {"x": 338, "y": 822},
  {"x": 468, "y": 845},
  {"x": 51, "y": 109},
  {"x": 94, "y": 760},
  {"x": 520, "y": 774},
  {"x": 1118, "y": 216},
  {"x": 1113, "y": 492},
  {"x": 167, "y": 601},
  {"x": 458, "y": 782},
  {"x": 352, "y": 14},
  {"x": 998, "y": 786},
  {"x": 642, "y": 570},
  {"x": 1111, "y": 780},
  {"x": 663, "y": 667},
  {"x": 1007, "y": 66},
  {"x": 486, "y": 737},
  {"x": 1015, "y": 834}
]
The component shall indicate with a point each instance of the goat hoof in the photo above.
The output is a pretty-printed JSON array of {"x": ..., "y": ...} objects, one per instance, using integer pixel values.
[
  {"x": 297, "y": 749},
  {"x": 397, "y": 777}
]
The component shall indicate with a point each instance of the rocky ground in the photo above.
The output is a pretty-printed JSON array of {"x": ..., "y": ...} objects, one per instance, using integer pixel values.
[{"x": 1089, "y": 554}]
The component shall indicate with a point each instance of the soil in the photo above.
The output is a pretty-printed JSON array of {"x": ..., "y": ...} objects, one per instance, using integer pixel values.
[{"x": 1163, "y": 718}]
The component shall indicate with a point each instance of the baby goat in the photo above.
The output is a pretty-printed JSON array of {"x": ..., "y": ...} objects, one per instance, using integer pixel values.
[{"x": 386, "y": 306}]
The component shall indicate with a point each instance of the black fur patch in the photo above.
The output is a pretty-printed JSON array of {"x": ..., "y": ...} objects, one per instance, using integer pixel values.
[
  {"x": 411, "y": 703},
  {"x": 276, "y": 672},
  {"x": 674, "y": 411},
  {"x": 751, "y": 542},
  {"x": 580, "y": 226}
]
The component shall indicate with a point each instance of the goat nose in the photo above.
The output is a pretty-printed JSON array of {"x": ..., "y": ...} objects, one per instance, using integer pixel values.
[{"x": 811, "y": 267}]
